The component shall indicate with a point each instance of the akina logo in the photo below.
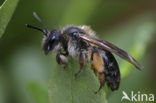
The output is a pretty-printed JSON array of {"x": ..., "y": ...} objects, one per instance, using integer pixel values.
[{"x": 137, "y": 96}]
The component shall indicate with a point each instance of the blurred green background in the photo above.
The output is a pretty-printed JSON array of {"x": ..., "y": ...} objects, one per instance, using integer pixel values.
[{"x": 131, "y": 25}]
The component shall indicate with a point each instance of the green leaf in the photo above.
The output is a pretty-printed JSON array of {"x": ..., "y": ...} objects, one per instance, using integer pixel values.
[
  {"x": 65, "y": 88},
  {"x": 6, "y": 12},
  {"x": 38, "y": 92}
]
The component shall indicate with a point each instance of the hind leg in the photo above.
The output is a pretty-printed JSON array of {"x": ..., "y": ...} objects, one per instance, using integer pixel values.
[
  {"x": 102, "y": 82},
  {"x": 98, "y": 66}
]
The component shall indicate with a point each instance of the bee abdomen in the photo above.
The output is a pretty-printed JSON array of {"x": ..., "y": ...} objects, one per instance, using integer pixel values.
[{"x": 111, "y": 71}]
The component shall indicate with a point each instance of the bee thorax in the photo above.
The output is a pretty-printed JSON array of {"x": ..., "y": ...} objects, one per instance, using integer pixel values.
[{"x": 73, "y": 51}]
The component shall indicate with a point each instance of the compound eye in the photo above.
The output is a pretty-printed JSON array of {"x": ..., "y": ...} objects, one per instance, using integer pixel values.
[{"x": 54, "y": 35}]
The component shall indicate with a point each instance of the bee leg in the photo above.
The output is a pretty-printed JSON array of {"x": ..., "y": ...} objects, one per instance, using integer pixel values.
[
  {"x": 102, "y": 82},
  {"x": 81, "y": 62},
  {"x": 62, "y": 59},
  {"x": 98, "y": 66}
]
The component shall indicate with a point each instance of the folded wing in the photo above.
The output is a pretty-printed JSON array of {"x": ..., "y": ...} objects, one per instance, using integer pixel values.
[{"x": 111, "y": 48}]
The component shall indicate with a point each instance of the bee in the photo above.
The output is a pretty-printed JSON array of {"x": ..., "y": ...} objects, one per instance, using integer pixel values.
[{"x": 81, "y": 42}]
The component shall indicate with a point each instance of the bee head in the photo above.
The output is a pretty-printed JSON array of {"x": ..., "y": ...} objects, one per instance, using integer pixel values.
[
  {"x": 51, "y": 38},
  {"x": 51, "y": 41}
]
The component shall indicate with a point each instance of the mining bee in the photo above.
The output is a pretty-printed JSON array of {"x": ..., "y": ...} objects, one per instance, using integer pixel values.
[{"x": 81, "y": 42}]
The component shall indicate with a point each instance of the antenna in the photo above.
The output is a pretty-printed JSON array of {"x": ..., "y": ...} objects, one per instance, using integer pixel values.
[
  {"x": 37, "y": 28},
  {"x": 40, "y": 21}
]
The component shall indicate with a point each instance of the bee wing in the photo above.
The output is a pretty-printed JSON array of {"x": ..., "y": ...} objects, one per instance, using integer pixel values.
[{"x": 111, "y": 48}]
